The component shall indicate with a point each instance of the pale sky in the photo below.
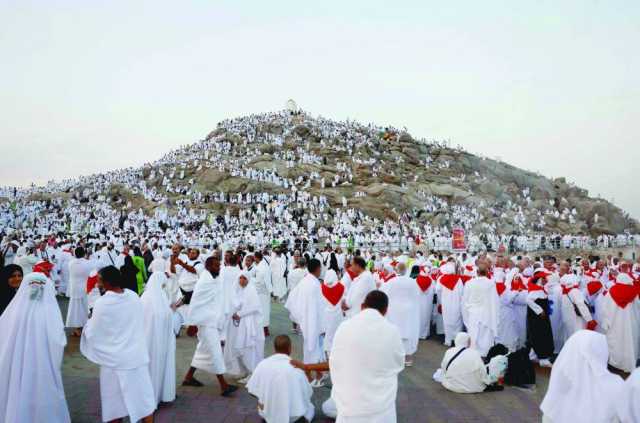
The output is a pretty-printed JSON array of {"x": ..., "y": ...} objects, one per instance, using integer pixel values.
[{"x": 550, "y": 86}]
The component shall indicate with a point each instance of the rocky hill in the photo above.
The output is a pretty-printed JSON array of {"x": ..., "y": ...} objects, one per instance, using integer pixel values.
[{"x": 382, "y": 171}]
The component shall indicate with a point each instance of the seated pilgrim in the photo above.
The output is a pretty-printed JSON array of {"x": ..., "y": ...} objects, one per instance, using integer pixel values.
[
  {"x": 283, "y": 392},
  {"x": 463, "y": 371}
]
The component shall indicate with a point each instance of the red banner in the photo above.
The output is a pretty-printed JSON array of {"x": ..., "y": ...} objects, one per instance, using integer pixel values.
[{"x": 458, "y": 242}]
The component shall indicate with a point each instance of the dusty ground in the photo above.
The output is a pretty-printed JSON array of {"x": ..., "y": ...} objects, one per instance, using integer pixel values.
[{"x": 420, "y": 399}]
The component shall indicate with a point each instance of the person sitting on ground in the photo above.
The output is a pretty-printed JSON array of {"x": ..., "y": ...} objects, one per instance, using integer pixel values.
[
  {"x": 463, "y": 371},
  {"x": 283, "y": 392}
]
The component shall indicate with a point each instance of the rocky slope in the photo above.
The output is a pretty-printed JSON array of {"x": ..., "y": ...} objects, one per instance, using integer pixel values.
[{"x": 382, "y": 171}]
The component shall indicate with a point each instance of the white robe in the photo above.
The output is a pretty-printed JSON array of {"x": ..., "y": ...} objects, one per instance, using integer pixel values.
[
  {"x": 114, "y": 338},
  {"x": 366, "y": 358},
  {"x": 229, "y": 277},
  {"x": 245, "y": 340},
  {"x": 206, "y": 311},
  {"x": 78, "y": 311},
  {"x": 282, "y": 390},
  {"x": 480, "y": 304},
  {"x": 358, "y": 291},
  {"x": 264, "y": 289},
  {"x": 404, "y": 309},
  {"x": 628, "y": 406},
  {"x": 573, "y": 321},
  {"x": 450, "y": 299},
  {"x": 507, "y": 321},
  {"x": 581, "y": 388},
  {"x": 172, "y": 288},
  {"x": 467, "y": 374},
  {"x": 426, "y": 310},
  {"x": 31, "y": 356},
  {"x": 554, "y": 294},
  {"x": 295, "y": 276},
  {"x": 278, "y": 267},
  {"x": 620, "y": 325},
  {"x": 160, "y": 336},
  {"x": 306, "y": 305},
  {"x": 332, "y": 316}
]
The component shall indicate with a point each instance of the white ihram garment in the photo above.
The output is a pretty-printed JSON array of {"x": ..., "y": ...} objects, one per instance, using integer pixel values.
[
  {"x": 366, "y": 357},
  {"x": 306, "y": 305},
  {"x": 206, "y": 311},
  {"x": 426, "y": 310},
  {"x": 332, "y": 316},
  {"x": 581, "y": 388},
  {"x": 264, "y": 288},
  {"x": 114, "y": 338},
  {"x": 161, "y": 339},
  {"x": 480, "y": 304},
  {"x": 451, "y": 300},
  {"x": 404, "y": 309},
  {"x": 31, "y": 355},
  {"x": 245, "y": 339},
  {"x": 358, "y": 291},
  {"x": 283, "y": 391},
  {"x": 278, "y": 267},
  {"x": 78, "y": 311},
  {"x": 628, "y": 405}
]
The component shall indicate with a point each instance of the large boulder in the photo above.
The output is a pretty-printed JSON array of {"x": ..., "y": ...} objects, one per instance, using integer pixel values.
[
  {"x": 302, "y": 131},
  {"x": 447, "y": 190}
]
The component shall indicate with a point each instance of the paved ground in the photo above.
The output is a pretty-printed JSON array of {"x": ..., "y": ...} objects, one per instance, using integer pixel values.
[{"x": 420, "y": 399}]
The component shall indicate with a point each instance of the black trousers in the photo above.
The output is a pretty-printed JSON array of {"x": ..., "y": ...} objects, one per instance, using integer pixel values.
[
  {"x": 186, "y": 296},
  {"x": 539, "y": 333}
]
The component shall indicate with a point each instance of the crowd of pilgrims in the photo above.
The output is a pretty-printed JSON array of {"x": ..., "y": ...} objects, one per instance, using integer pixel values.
[
  {"x": 263, "y": 219},
  {"x": 288, "y": 208},
  {"x": 135, "y": 281},
  {"x": 360, "y": 313}
]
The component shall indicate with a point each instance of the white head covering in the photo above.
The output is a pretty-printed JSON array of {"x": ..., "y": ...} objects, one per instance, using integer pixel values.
[
  {"x": 157, "y": 265},
  {"x": 160, "y": 336},
  {"x": 154, "y": 291},
  {"x": 581, "y": 389},
  {"x": 448, "y": 269},
  {"x": 462, "y": 340},
  {"x": 624, "y": 279},
  {"x": 330, "y": 278},
  {"x": 32, "y": 360}
]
